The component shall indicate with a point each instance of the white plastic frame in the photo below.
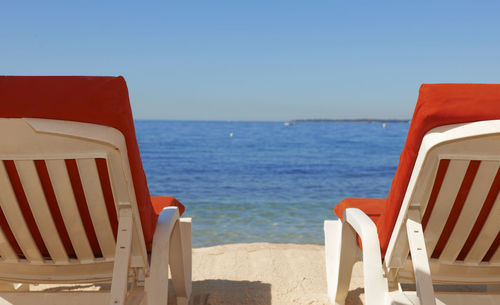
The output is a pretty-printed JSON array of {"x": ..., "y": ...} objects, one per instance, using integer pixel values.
[
  {"x": 124, "y": 260},
  {"x": 470, "y": 141}
]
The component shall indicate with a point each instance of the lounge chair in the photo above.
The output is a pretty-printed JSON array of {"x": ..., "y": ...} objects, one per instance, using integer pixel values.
[
  {"x": 75, "y": 207},
  {"x": 440, "y": 223}
]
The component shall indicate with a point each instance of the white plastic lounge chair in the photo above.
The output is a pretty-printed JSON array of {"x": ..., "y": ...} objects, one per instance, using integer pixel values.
[
  {"x": 447, "y": 229},
  {"x": 31, "y": 146}
]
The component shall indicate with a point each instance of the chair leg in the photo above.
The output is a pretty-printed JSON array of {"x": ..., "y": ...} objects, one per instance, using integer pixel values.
[
  {"x": 180, "y": 260},
  {"x": 341, "y": 252}
]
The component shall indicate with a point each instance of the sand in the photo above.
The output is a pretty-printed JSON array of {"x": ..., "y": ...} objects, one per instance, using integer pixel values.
[
  {"x": 264, "y": 273},
  {"x": 261, "y": 273},
  {"x": 256, "y": 273}
]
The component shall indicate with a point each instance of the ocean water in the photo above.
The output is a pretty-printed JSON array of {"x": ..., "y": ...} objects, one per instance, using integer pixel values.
[{"x": 263, "y": 181}]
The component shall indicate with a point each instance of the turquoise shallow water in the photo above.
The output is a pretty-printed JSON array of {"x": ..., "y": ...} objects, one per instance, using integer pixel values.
[{"x": 267, "y": 182}]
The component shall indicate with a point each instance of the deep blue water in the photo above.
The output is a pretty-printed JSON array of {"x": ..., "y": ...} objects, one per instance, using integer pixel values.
[{"x": 267, "y": 182}]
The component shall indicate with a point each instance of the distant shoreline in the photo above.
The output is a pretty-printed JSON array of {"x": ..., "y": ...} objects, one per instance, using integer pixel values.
[
  {"x": 289, "y": 121},
  {"x": 348, "y": 121}
]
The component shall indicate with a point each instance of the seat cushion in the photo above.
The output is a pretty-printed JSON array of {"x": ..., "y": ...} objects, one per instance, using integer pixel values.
[
  {"x": 437, "y": 105},
  {"x": 160, "y": 202},
  {"x": 97, "y": 100},
  {"x": 373, "y": 207}
]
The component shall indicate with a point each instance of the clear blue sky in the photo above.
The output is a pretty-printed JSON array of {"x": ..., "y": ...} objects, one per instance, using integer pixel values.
[{"x": 260, "y": 59}]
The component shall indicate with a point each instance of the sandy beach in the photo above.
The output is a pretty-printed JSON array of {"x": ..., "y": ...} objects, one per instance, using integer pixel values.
[
  {"x": 255, "y": 273},
  {"x": 260, "y": 274},
  {"x": 264, "y": 273}
]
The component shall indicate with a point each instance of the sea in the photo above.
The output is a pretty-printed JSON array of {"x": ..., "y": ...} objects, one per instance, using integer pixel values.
[{"x": 245, "y": 182}]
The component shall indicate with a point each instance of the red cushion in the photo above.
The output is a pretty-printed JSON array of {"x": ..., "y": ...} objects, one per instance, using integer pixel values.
[
  {"x": 97, "y": 100},
  {"x": 437, "y": 105},
  {"x": 159, "y": 202},
  {"x": 373, "y": 207}
]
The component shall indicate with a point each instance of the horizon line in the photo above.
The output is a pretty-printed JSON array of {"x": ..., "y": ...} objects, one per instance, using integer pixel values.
[{"x": 359, "y": 120}]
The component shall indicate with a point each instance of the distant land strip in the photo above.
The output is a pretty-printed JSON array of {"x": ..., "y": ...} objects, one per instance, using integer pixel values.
[{"x": 349, "y": 121}]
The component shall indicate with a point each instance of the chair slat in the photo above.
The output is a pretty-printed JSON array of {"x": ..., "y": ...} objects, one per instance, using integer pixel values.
[
  {"x": 486, "y": 236},
  {"x": 97, "y": 206},
  {"x": 15, "y": 218},
  {"x": 472, "y": 206},
  {"x": 444, "y": 202},
  {"x": 69, "y": 209},
  {"x": 495, "y": 259},
  {"x": 6, "y": 251},
  {"x": 40, "y": 209}
]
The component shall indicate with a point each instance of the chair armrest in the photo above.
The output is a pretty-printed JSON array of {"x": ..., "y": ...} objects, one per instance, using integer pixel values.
[
  {"x": 156, "y": 284},
  {"x": 366, "y": 229},
  {"x": 167, "y": 218},
  {"x": 376, "y": 285}
]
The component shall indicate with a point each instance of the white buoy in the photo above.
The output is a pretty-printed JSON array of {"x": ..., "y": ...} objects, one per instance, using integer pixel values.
[
  {"x": 231, "y": 134},
  {"x": 383, "y": 125}
]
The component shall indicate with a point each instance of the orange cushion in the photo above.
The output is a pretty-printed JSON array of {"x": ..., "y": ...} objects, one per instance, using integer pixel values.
[
  {"x": 160, "y": 202},
  {"x": 437, "y": 105},
  {"x": 97, "y": 100},
  {"x": 373, "y": 207}
]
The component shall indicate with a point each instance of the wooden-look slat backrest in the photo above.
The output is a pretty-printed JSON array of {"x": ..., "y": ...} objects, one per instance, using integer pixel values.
[
  {"x": 69, "y": 211},
  {"x": 97, "y": 207},
  {"x": 6, "y": 251},
  {"x": 478, "y": 193},
  {"x": 42, "y": 254},
  {"x": 15, "y": 219},
  {"x": 455, "y": 185},
  {"x": 40, "y": 210},
  {"x": 448, "y": 193},
  {"x": 486, "y": 236}
]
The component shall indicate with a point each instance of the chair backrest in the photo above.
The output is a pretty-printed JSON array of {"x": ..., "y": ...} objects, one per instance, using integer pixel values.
[
  {"x": 62, "y": 185},
  {"x": 438, "y": 105},
  {"x": 454, "y": 186},
  {"x": 97, "y": 100}
]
